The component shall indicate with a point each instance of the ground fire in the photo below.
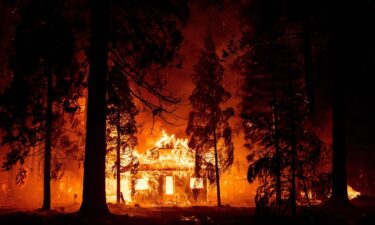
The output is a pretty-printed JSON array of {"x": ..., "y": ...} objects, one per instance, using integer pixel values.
[{"x": 352, "y": 194}]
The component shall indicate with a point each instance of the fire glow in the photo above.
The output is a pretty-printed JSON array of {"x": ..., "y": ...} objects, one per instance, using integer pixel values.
[
  {"x": 141, "y": 184},
  {"x": 196, "y": 183},
  {"x": 169, "y": 159},
  {"x": 165, "y": 176},
  {"x": 352, "y": 194},
  {"x": 169, "y": 185}
]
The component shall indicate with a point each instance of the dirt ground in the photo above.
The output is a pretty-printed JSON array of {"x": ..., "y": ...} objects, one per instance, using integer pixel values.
[{"x": 361, "y": 212}]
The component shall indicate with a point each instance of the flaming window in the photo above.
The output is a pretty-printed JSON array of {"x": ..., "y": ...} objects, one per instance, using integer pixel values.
[
  {"x": 141, "y": 184},
  {"x": 169, "y": 185},
  {"x": 196, "y": 183}
]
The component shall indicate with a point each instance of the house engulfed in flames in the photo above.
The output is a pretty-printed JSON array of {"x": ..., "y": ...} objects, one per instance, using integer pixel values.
[{"x": 165, "y": 177}]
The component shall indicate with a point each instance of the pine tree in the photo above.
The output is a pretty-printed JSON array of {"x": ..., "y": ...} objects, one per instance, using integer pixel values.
[
  {"x": 278, "y": 101},
  {"x": 318, "y": 33},
  {"x": 43, "y": 86},
  {"x": 208, "y": 126},
  {"x": 121, "y": 112},
  {"x": 284, "y": 153}
]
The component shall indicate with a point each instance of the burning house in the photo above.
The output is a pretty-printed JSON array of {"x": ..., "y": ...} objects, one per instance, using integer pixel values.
[{"x": 165, "y": 176}]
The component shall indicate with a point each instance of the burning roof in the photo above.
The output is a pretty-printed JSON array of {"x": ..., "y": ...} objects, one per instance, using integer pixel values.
[{"x": 169, "y": 153}]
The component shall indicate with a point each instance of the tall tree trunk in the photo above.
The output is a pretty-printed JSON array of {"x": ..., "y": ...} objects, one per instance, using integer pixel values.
[
  {"x": 339, "y": 189},
  {"x": 293, "y": 170},
  {"x": 217, "y": 168},
  {"x": 307, "y": 56},
  {"x": 94, "y": 197},
  {"x": 47, "y": 146},
  {"x": 293, "y": 135},
  {"x": 277, "y": 145},
  {"x": 10, "y": 194},
  {"x": 118, "y": 159},
  {"x": 304, "y": 185}
]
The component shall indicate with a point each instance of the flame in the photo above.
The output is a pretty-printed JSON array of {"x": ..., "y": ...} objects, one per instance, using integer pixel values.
[
  {"x": 168, "y": 154},
  {"x": 166, "y": 176},
  {"x": 352, "y": 194},
  {"x": 169, "y": 185},
  {"x": 141, "y": 184},
  {"x": 196, "y": 183},
  {"x": 171, "y": 141}
]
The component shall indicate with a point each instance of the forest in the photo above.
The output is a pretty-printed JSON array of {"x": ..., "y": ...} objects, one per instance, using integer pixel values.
[{"x": 187, "y": 112}]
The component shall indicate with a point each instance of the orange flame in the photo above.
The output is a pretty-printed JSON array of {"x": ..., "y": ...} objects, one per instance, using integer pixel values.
[
  {"x": 173, "y": 153},
  {"x": 352, "y": 194}
]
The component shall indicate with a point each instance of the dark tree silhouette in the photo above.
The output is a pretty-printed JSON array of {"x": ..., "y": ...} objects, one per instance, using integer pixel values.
[
  {"x": 312, "y": 25},
  {"x": 208, "y": 127},
  {"x": 294, "y": 20},
  {"x": 121, "y": 112},
  {"x": 93, "y": 199},
  {"x": 284, "y": 152},
  {"x": 261, "y": 111},
  {"x": 141, "y": 37},
  {"x": 338, "y": 61},
  {"x": 42, "y": 64}
]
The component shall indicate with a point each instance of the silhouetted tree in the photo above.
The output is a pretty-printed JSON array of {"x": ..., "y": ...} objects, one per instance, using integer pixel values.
[
  {"x": 43, "y": 79},
  {"x": 284, "y": 155},
  {"x": 261, "y": 111},
  {"x": 121, "y": 126},
  {"x": 142, "y": 37},
  {"x": 294, "y": 20},
  {"x": 208, "y": 127},
  {"x": 319, "y": 33},
  {"x": 337, "y": 62},
  {"x": 275, "y": 109}
]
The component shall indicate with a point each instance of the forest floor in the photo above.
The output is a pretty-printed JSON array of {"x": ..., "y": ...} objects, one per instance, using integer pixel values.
[{"x": 361, "y": 212}]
